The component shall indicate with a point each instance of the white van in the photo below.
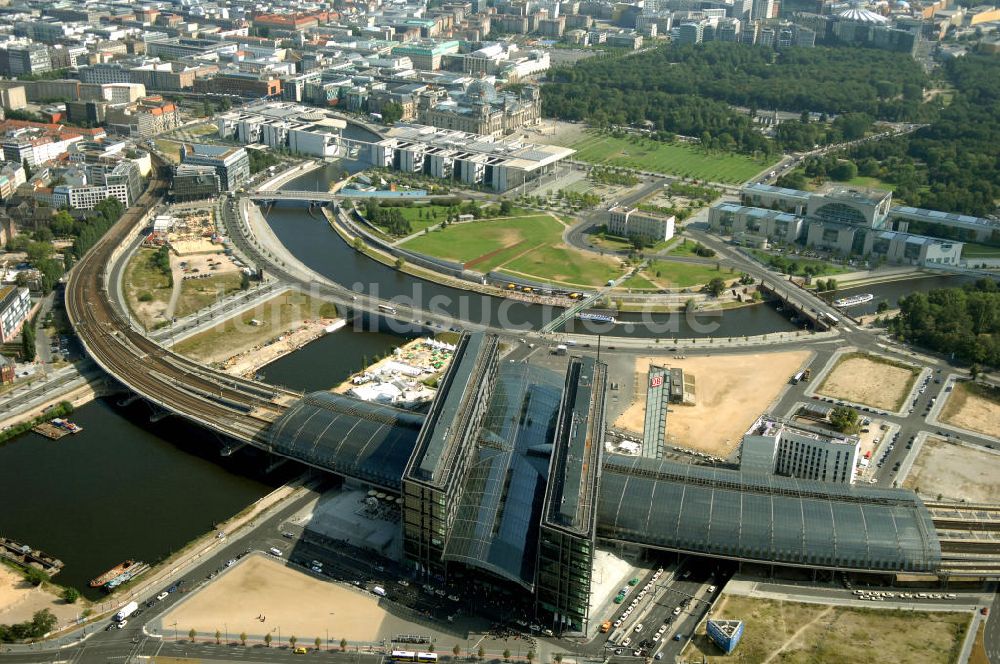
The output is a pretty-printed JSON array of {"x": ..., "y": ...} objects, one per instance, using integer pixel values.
[
  {"x": 379, "y": 590},
  {"x": 275, "y": 551}
]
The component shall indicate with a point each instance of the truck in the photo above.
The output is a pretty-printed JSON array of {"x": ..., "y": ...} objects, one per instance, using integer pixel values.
[
  {"x": 379, "y": 590},
  {"x": 796, "y": 378},
  {"x": 605, "y": 626},
  {"x": 126, "y": 611},
  {"x": 561, "y": 349}
]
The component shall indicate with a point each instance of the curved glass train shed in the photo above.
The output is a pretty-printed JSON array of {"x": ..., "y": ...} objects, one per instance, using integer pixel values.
[
  {"x": 765, "y": 518},
  {"x": 358, "y": 439}
]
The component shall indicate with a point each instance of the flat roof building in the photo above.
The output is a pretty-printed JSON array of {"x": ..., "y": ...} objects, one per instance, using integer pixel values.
[
  {"x": 632, "y": 223},
  {"x": 858, "y": 222},
  {"x": 15, "y": 305},
  {"x": 231, "y": 163},
  {"x": 775, "y": 446},
  {"x": 500, "y": 165}
]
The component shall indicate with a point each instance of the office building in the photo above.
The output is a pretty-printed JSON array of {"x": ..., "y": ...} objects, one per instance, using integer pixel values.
[
  {"x": 632, "y": 223},
  {"x": 192, "y": 183},
  {"x": 307, "y": 131},
  {"x": 12, "y": 95},
  {"x": 24, "y": 59},
  {"x": 232, "y": 164},
  {"x": 800, "y": 451},
  {"x": 189, "y": 48},
  {"x": 844, "y": 220},
  {"x": 121, "y": 180},
  {"x": 426, "y": 55},
  {"x": 15, "y": 305},
  {"x": 146, "y": 117},
  {"x": 761, "y": 10},
  {"x": 474, "y": 160},
  {"x": 241, "y": 84}
]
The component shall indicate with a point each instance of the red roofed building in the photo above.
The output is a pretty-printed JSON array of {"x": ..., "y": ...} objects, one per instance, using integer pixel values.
[{"x": 292, "y": 22}]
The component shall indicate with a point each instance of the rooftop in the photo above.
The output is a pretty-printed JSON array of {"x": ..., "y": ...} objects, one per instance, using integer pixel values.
[{"x": 577, "y": 449}]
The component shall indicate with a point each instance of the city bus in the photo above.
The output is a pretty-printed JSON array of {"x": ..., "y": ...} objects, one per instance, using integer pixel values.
[
  {"x": 410, "y": 656},
  {"x": 385, "y": 308}
]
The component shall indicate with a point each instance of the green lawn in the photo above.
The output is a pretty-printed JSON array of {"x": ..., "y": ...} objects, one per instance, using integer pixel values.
[
  {"x": 683, "y": 248},
  {"x": 172, "y": 149},
  {"x": 203, "y": 129},
  {"x": 196, "y": 294},
  {"x": 684, "y": 275},
  {"x": 435, "y": 214},
  {"x": 565, "y": 265},
  {"x": 671, "y": 158},
  {"x": 973, "y": 250},
  {"x": 485, "y": 245},
  {"x": 870, "y": 183},
  {"x": 826, "y": 268},
  {"x": 638, "y": 281},
  {"x": 530, "y": 245}
]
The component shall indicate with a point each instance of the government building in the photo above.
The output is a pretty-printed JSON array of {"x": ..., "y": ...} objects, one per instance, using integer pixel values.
[{"x": 845, "y": 221}]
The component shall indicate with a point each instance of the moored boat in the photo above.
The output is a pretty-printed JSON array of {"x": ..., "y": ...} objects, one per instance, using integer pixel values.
[{"x": 115, "y": 571}]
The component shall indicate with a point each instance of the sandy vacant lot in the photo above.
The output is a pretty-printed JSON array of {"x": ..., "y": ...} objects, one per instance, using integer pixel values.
[
  {"x": 298, "y": 603},
  {"x": 793, "y": 633},
  {"x": 861, "y": 379},
  {"x": 955, "y": 472},
  {"x": 19, "y": 600},
  {"x": 732, "y": 391},
  {"x": 973, "y": 408}
]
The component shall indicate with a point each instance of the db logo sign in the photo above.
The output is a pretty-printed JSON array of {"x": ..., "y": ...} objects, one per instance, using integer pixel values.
[{"x": 656, "y": 381}]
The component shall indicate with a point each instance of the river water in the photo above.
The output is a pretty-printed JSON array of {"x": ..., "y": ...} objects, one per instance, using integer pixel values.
[
  {"x": 122, "y": 488},
  {"x": 891, "y": 291},
  {"x": 128, "y": 488}
]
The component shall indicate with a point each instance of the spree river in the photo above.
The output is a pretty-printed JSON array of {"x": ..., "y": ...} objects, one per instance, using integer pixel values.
[{"x": 128, "y": 488}]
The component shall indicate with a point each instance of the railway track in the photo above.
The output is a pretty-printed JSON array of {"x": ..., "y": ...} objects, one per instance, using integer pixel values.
[{"x": 235, "y": 407}]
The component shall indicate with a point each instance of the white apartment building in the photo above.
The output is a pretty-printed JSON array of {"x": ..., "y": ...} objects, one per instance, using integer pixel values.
[
  {"x": 630, "y": 222},
  {"x": 15, "y": 305},
  {"x": 773, "y": 446}
]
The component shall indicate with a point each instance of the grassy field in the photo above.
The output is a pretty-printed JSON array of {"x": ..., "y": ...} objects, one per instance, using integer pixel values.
[
  {"x": 973, "y": 250},
  {"x": 172, "y": 149},
  {"x": 564, "y": 264},
  {"x": 670, "y": 158},
  {"x": 530, "y": 246},
  {"x": 684, "y": 275},
  {"x": 826, "y": 269},
  {"x": 196, "y": 294},
  {"x": 870, "y": 183},
  {"x": 638, "y": 280},
  {"x": 278, "y": 315},
  {"x": 794, "y": 633},
  {"x": 143, "y": 280},
  {"x": 683, "y": 248}
]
